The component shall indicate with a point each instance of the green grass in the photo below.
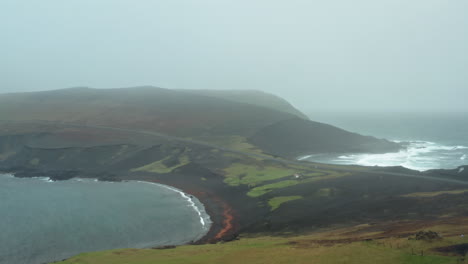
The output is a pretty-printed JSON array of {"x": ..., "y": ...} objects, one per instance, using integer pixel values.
[
  {"x": 264, "y": 189},
  {"x": 159, "y": 167},
  {"x": 413, "y": 259},
  {"x": 252, "y": 175},
  {"x": 272, "y": 250},
  {"x": 257, "y": 174},
  {"x": 276, "y": 202}
]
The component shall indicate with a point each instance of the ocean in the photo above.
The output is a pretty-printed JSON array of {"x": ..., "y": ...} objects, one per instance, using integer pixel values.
[
  {"x": 43, "y": 221},
  {"x": 435, "y": 140}
]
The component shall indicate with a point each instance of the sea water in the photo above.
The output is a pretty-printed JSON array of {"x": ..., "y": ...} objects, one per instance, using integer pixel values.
[
  {"x": 433, "y": 140},
  {"x": 43, "y": 221}
]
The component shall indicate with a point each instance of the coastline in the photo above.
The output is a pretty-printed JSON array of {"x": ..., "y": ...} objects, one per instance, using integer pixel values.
[
  {"x": 205, "y": 221},
  {"x": 223, "y": 218}
]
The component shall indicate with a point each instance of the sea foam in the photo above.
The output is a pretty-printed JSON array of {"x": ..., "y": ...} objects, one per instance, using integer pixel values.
[
  {"x": 203, "y": 221},
  {"x": 418, "y": 155}
]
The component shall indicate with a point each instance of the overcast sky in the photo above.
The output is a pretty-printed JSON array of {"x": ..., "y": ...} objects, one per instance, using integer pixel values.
[{"x": 320, "y": 55}]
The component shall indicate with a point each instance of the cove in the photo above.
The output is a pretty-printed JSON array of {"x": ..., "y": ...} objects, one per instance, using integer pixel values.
[{"x": 43, "y": 221}]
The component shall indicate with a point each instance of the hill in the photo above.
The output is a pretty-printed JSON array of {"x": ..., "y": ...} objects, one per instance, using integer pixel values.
[
  {"x": 189, "y": 114},
  {"x": 151, "y": 108},
  {"x": 253, "y": 97},
  {"x": 233, "y": 156},
  {"x": 294, "y": 137}
]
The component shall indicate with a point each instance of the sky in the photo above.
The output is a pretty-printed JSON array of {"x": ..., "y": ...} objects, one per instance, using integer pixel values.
[{"x": 328, "y": 55}]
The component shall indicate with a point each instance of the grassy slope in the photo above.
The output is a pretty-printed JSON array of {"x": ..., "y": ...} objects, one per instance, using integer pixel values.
[
  {"x": 360, "y": 244},
  {"x": 149, "y": 108},
  {"x": 229, "y": 123}
]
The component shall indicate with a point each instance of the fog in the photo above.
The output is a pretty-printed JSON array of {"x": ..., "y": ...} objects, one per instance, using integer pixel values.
[{"x": 364, "y": 55}]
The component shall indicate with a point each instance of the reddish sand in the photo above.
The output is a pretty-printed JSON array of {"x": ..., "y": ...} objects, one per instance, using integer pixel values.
[
  {"x": 227, "y": 222},
  {"x": 224, "y": 222}
]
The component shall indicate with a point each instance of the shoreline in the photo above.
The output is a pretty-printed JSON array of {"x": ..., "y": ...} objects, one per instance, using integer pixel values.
[
  {"x": 203, "y": 221},
  {"x": 222, "y": 215}
]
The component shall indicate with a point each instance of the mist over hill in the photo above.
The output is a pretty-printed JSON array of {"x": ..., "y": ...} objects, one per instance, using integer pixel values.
[
  {"x": 272, "y": 124},
  {"x": 253, "y": 97}
]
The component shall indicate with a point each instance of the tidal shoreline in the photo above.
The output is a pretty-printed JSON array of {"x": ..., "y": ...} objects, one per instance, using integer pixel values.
[{"x": 223, "y": 225}]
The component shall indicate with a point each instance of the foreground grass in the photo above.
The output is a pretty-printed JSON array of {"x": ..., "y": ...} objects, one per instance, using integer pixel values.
[
  {"x": 384, "y": 243},
  {"x": 265, "y": 250}
]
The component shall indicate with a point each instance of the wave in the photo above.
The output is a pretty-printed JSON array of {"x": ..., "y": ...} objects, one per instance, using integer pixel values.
[
  {"x": 305, "y": 157},
  {"x": 205, "y": 222},
  {"x": 46, "y": 179},
  {"x": 418, "y": 155}
]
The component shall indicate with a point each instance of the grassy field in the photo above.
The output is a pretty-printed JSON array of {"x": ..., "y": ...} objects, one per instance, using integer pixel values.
[
  {"x": 250, "y": 174},
  {"x": 256, "y": 174},
  {"x": 160, "y": 167},
  {"x": 262, "y": 178},
  {"x": 276, "y": 202},
  {"x": 264, "y": 189},
  {"x": 357, "y": 245}
]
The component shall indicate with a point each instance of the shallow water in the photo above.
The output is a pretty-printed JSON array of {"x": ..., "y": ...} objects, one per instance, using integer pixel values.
[{"x": 43, "y": 221}]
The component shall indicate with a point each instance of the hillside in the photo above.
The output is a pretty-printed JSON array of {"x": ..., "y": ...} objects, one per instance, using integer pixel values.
[
  {"x": 253, "y": 97},
  {"x": 186, "y": 114},
  {"x": 294, "y": 137},
  {"x": 150, "y": 108},
  {"x": 226, "y": 154}
]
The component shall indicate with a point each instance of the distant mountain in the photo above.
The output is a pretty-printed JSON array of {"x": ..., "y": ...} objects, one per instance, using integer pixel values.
[
  {"x": 253, "y": 97},
  {"x": 192, "y": 114}
]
